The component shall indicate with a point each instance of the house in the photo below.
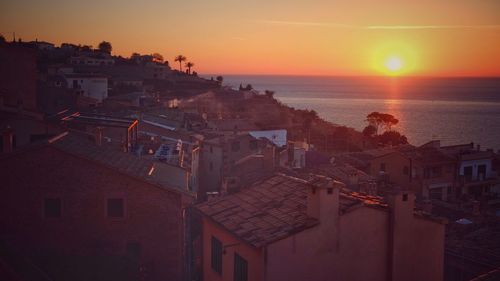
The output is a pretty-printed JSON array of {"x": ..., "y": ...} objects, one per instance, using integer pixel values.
[
  {"x": 354, "y": 179},
  {"x": 101, "y": 60},
  {"x": 176, "y": 148},
  {"x": 42, "y": 45},
  {"x": 225, "y": 156},
  {"x": 476, "y": 174},
  {"x": 18, "y": 77},
  {"x": 427, "y": 171},
  {"x": 79, "y": 208},
  {"x": 284, "y": 228},
  {"x": 89, "y": 85}
]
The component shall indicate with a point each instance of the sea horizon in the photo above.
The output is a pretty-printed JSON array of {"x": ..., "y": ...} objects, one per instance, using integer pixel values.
[{"x": 452, "y": 109}]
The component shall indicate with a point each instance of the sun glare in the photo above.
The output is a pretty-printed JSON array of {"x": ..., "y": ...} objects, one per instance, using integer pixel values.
[
  {"x": 394, "y": 59},
  {"x": 394, "y": 64}
]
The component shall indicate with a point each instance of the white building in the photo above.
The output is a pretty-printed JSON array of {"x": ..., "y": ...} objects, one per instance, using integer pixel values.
[
  {"x": 92, "y": 61},
  {"x": 91, "y": 86}
]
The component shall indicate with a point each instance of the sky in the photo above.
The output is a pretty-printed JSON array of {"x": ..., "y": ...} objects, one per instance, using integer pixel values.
[{"x": 310, "y": 37}]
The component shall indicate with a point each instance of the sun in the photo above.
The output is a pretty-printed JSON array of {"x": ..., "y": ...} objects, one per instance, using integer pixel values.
[
  {"x": 395, "y": 58},
  {"x": 394, "y": 64}
]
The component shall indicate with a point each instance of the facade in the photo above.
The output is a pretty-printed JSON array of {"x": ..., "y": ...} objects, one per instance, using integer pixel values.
[
  {"x": 219, "y": 157},
  {"x": 476, "y": 174},
  {"x": 92, "y": 86},
  {"x": 426, "y": 171},
  {"x": 72, "y": 200},
  {"x": 284, "y": 228},
  {"x": 18, "y": 77},
  {"x": 92, "y": 61}
]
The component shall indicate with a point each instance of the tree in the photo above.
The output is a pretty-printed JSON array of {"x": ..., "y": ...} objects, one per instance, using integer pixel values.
[
  {"x": 105, "y": 47},
  {"x": 189, "y": 65},
  {"x": 219, "y": 79},
  {"x": 157, "y": 57},
  {"x": 392, "y": 138},
  {"x": 180, "y": 59},
  {"x": 381, "y": 121},
  {"x": 369, "y": 131},
  {"x": 269, "y": 93},
  {"x": 2, "y": 39}
]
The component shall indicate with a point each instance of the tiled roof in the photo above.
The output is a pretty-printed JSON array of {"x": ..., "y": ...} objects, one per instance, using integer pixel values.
[
  {"x": 84, "y": 146},
  {"x": 273, "y": 209}
]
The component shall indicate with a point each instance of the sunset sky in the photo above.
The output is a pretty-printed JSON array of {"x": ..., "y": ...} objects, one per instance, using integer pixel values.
[{"x": 315, "y": 37}]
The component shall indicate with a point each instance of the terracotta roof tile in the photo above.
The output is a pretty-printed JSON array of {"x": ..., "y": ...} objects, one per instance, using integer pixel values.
[{"x": 273, "y": 209}]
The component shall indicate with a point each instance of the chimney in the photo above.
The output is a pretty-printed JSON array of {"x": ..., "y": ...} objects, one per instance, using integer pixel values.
[
  {"x": 323, "y": 204},
  {"x": 8, "y": 140},
  {"x": 353, "y": 178},
  {"x": 401, "y": 209},
  {"x": 98, "y": 136}
]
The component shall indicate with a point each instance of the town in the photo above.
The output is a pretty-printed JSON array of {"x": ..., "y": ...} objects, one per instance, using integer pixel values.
[{"x": 135, "y": 168}]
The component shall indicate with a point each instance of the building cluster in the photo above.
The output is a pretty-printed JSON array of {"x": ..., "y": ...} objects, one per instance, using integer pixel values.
[{"x": 123, "y": 169}]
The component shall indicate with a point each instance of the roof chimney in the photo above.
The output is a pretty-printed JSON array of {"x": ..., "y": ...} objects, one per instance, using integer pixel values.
[
  {"x": 8, "y": 140},
  {"x": 323, "y": 204},
  {"x": 401, "y": 208}
]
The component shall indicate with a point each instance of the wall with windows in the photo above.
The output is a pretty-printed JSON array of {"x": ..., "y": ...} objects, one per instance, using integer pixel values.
[
  {"x": 473, "y": 170},
  {"x": 55, "y": 202},
  {"x": 228, "y": 263},
  {"x": 395, "y": 165}
]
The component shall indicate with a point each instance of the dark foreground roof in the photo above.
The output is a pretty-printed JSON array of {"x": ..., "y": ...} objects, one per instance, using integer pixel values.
[
  {"x": 273, "y": 209},
  {"x": 84, "y": 146}
]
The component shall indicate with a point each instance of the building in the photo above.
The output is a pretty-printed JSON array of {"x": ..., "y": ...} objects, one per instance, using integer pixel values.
[
  {"x": 284, "y": 228},
  {"x": 101, "y": 60},
  {"x": 89, "y": 85},
  {"x": 223, "y": 156},
  {"x": 75, "y": 205},
  {"x": 427, "y": 171},
  {"x": 18, "y": 77}
]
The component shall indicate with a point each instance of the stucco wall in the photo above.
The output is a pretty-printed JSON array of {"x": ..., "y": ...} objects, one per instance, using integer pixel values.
[
  {"x": 359, "y": 252},
  {"x": 153, "y": 216},
  {"x": 253, "y": 256}
]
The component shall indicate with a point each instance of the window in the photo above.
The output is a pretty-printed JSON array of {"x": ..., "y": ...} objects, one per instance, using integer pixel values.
[
  {"x": 52, "y": 207},
  {"x": 235, "y": 146},
  {"x": 382, "y": 167},
  {"x": 329, "y": 190},
  {"x": 240, "y": 268},
  {"x": 405, "y": 197},
  {"x": 406, "y": 170},
  {"x": 216, "y": 255},
  {"x": 211, "y": 166},
  {"x": 468, "y": 173},
  {"x": 115, "y": 208}
]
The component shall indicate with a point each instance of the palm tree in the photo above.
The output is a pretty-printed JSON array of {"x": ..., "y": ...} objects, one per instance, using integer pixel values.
[
  {"x": 180, "y": 59},
  {"x": 189, "y": 65}
]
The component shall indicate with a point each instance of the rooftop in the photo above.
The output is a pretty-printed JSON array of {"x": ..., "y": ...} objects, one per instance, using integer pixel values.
[
  {"x": 273, "y": 209},
  {"x": 84, "y": 146}
]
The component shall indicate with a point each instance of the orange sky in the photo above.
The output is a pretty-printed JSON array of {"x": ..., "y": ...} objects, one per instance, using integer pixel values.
[{"x": 315, "y": 37}]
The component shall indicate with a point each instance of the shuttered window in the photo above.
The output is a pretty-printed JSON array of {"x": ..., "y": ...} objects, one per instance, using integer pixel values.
[
  {"x": 240, "y": 268},
  {"x": 216, "y": 255}
]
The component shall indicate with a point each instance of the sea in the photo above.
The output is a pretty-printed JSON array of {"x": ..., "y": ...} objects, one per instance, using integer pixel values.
[{"x": 453, "y": 110}]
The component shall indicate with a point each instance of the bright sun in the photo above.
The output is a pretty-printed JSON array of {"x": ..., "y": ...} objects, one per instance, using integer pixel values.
[
  {"x": 394, "y": 64},
  {"x": 394, "y": 58}
]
